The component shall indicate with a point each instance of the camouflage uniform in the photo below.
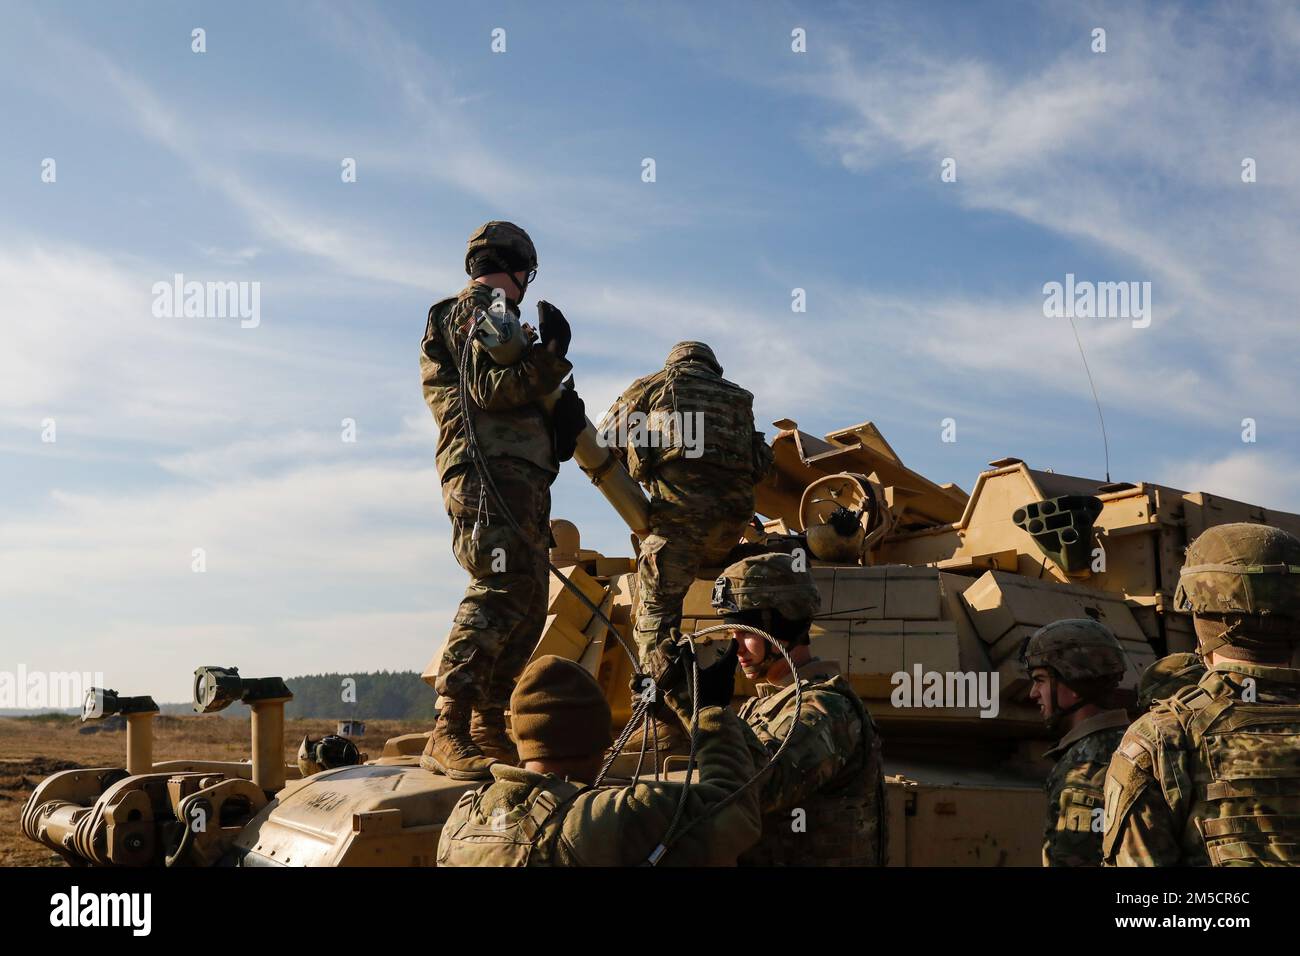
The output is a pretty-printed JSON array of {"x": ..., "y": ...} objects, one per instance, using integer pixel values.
[
  {"x": 525, "y": 818},
  {"x": 1072, "y": 832},
  {"x": 831, "y": 770},
  {"x": 503, "y": 611},
  {"x": 1085, "y": 656},
  {"x": 1205, "y": 779},
  {"x": 1211, "y": 775},
  {"x": 699, "y": 506}
]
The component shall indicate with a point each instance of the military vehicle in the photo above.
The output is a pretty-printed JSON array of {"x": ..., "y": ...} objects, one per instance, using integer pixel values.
[{"x": 927, "y": 593}]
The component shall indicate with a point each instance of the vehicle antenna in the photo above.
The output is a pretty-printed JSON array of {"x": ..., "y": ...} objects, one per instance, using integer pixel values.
[{"x": 1104, "y": 443}]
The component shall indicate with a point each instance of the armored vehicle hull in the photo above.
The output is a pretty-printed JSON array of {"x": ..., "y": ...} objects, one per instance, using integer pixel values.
[{"x": 927, "y": 594}]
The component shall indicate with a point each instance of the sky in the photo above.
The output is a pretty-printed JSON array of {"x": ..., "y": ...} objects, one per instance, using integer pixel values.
[{"x": 774, "y": 170}]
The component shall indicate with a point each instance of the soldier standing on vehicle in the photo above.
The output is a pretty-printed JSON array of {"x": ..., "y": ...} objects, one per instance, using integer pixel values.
[
  {"x": 688, "y": 435},
  {"x": 1211, "y": 776},
  {"x": 545, "y": 814},
  {"x": 823, "y": 800},
  {"x": 1075, "y": 666},
  {"x": 501, "y": 616}
]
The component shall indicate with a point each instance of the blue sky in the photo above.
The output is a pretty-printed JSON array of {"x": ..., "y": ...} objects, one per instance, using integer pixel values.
[{"x": 775, "y": 170}]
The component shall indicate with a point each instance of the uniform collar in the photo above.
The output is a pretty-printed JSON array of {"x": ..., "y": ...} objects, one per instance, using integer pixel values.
[
  {"x": 813, "y": 670},
  {"x": 1282, "y": 675},
  {"x": 1273, "y": 684},
  {"x": 509, "y": 773},
  {"x": 1103, "y": 721}
]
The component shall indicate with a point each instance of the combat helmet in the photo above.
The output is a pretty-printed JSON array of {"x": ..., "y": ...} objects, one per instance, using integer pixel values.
[
  {"x": 1167, "y": 676},
  {"x": 510, "y": 246},
  {"x": 1242, "y": 583},
  {"x": 1081, "y": 653},
  {"x": 768, "y": 588},
  {"x": 326, "y": 753},
  {"x": 694, "y": 351}
]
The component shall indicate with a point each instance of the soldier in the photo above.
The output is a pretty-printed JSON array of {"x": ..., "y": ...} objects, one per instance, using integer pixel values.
[
  {"x": 1075, "y": 666},
  {"x": 823, "y": 801},
  {"x": 501, "y": 616},
  {"x": 543, "y": 814},
  {"x": 1166, "y": 677},
  {"x": 688, "y": 435},
  {"x": 1211, "y": 776}
]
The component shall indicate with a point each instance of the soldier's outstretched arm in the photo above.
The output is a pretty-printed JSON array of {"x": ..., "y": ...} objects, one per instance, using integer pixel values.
[
  {"x": 829, "y": 736},
  {"x": 622, "y": 826},
  {"x": 1141, "y": 829}
]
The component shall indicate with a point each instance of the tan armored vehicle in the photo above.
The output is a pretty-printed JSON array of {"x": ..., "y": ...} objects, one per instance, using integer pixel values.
[{"x": 927, "y": 593}]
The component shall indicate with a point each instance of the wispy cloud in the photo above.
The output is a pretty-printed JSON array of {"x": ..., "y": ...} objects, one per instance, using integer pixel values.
[
  {"x": 1259, "y": 476},
  {"x": 1138, "y": 153}
]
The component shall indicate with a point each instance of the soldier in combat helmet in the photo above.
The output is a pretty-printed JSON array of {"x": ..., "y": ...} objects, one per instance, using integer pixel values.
[
  {"x": 1075, "y": 666},
  {"x": 1211, "y": 775},
  {"x": 688, "y": 435},
  {"x": 823, "y": 800},
  {"x": 501, "y": 616}
]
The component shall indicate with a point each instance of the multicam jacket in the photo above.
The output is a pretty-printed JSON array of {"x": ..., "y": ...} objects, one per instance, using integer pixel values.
[
  {"x": 722, "y": 424},
  {"x": 823, "y": 801},
  {"x": 508, "y": 420},
  {"x": 1211, "y": 776},
  {"x": 524, "y": 818},
  {"x": 1072, "y": 833}
]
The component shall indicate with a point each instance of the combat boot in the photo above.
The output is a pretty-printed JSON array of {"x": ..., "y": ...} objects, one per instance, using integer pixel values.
[
  {"x": 451, "y": 750},
  {"x": 487, "y": 728}
]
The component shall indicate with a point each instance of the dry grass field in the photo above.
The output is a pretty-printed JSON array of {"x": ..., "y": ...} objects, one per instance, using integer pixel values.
[{"x": 32, "y": 749}]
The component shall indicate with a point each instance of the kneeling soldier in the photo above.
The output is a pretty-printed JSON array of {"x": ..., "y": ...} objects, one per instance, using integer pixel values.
[{"x": 823, "y": 800}]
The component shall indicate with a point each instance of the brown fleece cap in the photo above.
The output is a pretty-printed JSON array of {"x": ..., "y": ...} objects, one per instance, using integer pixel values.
[{"x": 558, "y": 711}]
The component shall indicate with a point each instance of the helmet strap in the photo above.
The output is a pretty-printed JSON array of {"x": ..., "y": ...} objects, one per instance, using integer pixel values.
[
  {"x": 767, "y": 626},
  {"x": 489, "y": 262},
  {"x": 1059, "y": 713},
  {"x": 521, "y": 286}
]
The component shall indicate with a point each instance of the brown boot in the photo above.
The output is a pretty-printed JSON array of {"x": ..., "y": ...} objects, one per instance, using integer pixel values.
[
  {"x": 488, "y": 729},
  {"x": 451, "y": 750}
]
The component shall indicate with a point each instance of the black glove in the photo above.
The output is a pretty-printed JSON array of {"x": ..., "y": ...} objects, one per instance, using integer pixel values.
[
  {"x": 665, "y": 667},
  {"x": 671, "y": 664},
  {"x": 553, "y": 327},
  {"x": 718, "y": 680},
  {"x": 568, "y": 419}
]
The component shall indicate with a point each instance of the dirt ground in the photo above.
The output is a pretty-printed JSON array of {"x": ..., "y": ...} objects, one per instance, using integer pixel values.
[{"x": 33, "y": 748}]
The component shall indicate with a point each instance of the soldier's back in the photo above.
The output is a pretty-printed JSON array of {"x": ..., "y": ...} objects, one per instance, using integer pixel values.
[
  {"x": 1245, "y": 759},
  {"x": 1226, "y": 757}
]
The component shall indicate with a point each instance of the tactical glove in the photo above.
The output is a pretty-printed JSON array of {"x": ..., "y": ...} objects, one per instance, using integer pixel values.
[
  {"x": 553, "y": 327},
  {"x": 718, "y": 680},
  {"x": 666, "y": 666},
  {"x": 568, "y": 419},
  {"x": 671, "y": 664}
]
